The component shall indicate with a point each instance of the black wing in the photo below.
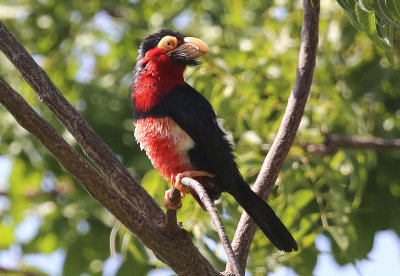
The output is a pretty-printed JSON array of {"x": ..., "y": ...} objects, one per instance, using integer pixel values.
[
  {"x": 195, "y": 115},
  {"x": 213, "y": 152}
]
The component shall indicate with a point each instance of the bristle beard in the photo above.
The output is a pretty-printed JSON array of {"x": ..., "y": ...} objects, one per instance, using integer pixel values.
[{"x": 188, "y": 62}]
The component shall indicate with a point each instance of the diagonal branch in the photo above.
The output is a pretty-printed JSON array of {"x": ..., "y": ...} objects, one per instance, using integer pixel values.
[
  {"x": 185, "y": 260},
  {"x": 87, "y": 138},
  {"x": 288, "y": 128}
]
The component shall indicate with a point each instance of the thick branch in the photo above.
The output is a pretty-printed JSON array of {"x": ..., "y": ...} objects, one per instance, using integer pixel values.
[
  {"x": 288, "y": 128},
  {"x": 334, "y": 142},
  {"x": 86, "y": 137},
  {"x": 176, "y": 250}
]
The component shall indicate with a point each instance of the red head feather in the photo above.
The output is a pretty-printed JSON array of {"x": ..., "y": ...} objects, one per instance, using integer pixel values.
[
  {"x": 163, "y": 57},
  {"x": 159, "y": 76}
]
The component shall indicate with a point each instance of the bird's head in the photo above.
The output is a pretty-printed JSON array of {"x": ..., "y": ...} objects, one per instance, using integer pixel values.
[
  {"x": 170, "y": 50},
  {"x": 162, "y": 58}
]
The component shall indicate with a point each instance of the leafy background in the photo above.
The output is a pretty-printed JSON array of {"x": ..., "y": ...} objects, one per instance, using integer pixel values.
[{"x": 89, "y": 49}]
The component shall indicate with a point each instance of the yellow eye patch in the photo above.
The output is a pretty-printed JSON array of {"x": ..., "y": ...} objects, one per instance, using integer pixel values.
[{"x": 168, "y": 43}]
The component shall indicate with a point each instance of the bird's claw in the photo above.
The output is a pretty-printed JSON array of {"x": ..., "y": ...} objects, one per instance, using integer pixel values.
[{"x": 184, "y": 189}]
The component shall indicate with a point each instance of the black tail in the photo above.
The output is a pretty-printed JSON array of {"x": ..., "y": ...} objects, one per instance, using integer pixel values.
[{"x": 265, "y": 218}]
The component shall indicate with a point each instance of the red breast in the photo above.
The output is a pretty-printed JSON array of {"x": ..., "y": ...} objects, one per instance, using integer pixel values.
[{"x": 166, "y": 144}]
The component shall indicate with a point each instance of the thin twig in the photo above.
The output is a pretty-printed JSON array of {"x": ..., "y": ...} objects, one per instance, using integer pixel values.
[
  {"x": 90, "y": 142},
  {"x": 334, "y": 142},
  {"x": 209, "y": 205},
  {"x": 287, "y": 130}
]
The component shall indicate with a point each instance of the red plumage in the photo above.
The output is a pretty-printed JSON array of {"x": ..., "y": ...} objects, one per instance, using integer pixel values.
[
  {"x": 159, "y": 77},
  {"x": 166, "y": 145}
]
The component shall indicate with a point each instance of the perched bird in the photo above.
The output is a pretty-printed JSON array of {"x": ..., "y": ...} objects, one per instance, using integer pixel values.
[{"x": 180, "y": 132}]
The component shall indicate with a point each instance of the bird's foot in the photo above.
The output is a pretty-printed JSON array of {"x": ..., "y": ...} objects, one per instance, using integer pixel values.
[
  {"x": 183, "y": 189},
  {"x": 167, "y": 201}
]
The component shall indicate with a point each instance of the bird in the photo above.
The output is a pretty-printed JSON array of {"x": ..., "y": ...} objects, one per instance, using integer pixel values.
[{"x": 182, "y": 135}]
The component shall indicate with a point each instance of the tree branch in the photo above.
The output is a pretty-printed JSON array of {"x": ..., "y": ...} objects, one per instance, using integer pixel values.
[
  {"x": 175, "y": 196},
  {"x": 171, "y": 219},
  {"x": 87, "y": 138},
  {"x": 333, "y": 142},
  {"x": 185, "y": 260},
  {"x": 209, "y": 205},
  {"x": 287, "y": 130}
]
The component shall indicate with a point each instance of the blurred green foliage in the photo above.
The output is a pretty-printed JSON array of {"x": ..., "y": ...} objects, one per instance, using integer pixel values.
[{"x": 89, "y": 48}]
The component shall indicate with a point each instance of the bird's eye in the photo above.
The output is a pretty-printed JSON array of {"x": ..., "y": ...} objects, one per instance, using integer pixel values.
[{"x": 168, "y": 43}]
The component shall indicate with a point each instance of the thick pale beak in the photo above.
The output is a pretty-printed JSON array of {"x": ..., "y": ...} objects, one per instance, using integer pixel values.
[
  {"x": 197, "y": 44},
  {"x": 191, "y": 49}
]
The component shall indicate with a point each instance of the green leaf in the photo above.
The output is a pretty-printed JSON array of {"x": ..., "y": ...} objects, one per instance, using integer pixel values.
[
  {"x": 368, "y": 23},
  {"x": 75, "y": 261},
  {"x": 134, "y": 267},
  {"x": 365, "y": 5},
  {"x": 24, "y": 182},
  {"x": 347, "y": 5},
  {"x": 340, "y": 238},
  {"x": 155, "y": 185},
  {"x": 393, "y": 7},
  {"x": 373, "y": 17},
  {"x": 385, "y": 13},
  {"x": 48, "y": 243},
  {"x": 301, "y": 198},
  {"x": 7, "y": 236}
]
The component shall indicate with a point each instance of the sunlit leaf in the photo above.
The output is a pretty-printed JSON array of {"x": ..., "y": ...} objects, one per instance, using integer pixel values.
[{"x": 7, "y": 236}]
